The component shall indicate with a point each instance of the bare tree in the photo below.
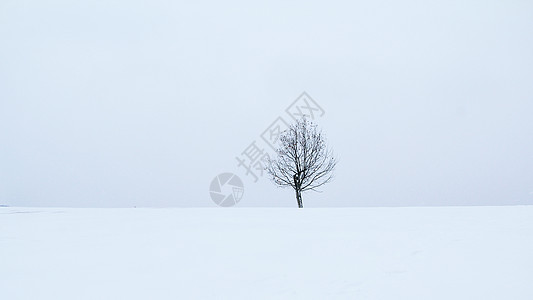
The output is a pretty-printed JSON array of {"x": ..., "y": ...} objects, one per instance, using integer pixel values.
[{"x": 303, "y": 161}]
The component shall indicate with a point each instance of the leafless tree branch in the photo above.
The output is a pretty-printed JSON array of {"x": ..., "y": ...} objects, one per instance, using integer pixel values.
[{"x": 303, "y": 160}]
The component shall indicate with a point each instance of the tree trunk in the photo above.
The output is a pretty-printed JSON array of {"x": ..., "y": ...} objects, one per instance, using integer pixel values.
[{"x": 299, "y": 199}]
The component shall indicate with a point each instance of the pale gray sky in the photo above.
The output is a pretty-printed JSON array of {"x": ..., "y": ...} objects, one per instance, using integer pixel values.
[{"x": 142, "y": 103}]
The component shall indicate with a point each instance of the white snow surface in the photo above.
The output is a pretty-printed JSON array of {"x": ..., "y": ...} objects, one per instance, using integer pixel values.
[{"x": 267, "y": 253}]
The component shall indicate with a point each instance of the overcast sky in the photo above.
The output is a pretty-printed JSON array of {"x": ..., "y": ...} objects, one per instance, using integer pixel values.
[{"x": 142, "y": 103}]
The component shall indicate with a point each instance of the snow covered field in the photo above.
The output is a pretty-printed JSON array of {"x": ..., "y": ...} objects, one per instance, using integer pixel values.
[{"x": 267, "y": 253}]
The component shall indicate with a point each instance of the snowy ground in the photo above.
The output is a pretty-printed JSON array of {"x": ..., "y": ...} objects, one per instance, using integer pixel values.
[{"x": 262, "y": 253}]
